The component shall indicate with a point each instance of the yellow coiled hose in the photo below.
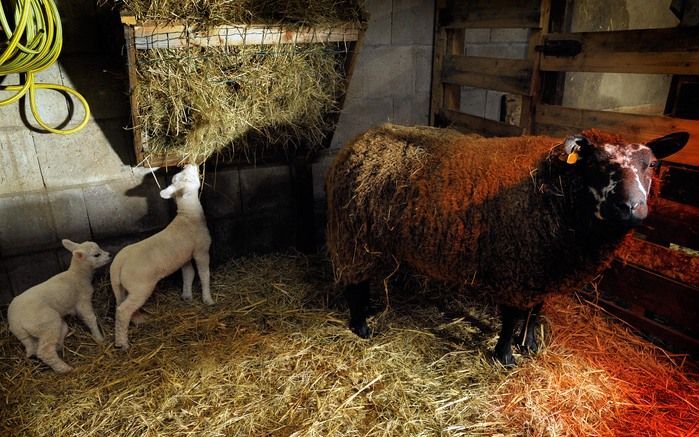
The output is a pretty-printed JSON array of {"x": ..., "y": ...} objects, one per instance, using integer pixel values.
[{"x": 38, "y": 26}]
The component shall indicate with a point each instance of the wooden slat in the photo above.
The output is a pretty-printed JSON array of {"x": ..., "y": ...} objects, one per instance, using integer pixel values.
[
  {"x": 679, "y": 341},
  {"x": 672, "y": 222},
  {"x": 671, "y": 263},
  {"x": 670, "y": 300},
  {"x": 481, "y": 125},
  {"x": 437, "y": 97},
  {"x": 506, "y": 75},
  {"x": 454, "y": 46},
  {"x": 562, "y": 121},
  {"x": 658, "y": 51},
  {"x": 491, "y": 13},
  {"x": 154, "y": 36}
]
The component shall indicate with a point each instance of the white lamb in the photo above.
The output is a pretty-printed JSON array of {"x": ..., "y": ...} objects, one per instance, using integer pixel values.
[
  {"x": 36, "y": 316},
  {"x": 138, "y": 268}
]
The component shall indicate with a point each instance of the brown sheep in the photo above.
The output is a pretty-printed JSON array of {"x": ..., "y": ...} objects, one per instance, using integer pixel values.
[{"x": 525, "y": 216}]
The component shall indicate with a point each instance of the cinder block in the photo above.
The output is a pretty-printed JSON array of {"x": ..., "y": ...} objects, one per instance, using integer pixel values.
[
  {"x": 28, "y": 270},
  {"x": 473, "y": 101},
  {"x": 383, "y": 71},
  {"x": 413, "y": 22},
  {"x": 125, "y": 207},
  {"x": 265, "y": 188},
  {"x": 509, "y": 35},
  {"x": 70, "y": 214},
  {"x": 264, "y": 233},
  {"x": 423, "y": 69},
  {"x": 26, "y": 224},
  {"x": 101, "y": 80},
  {"x": 221, "y": 194},
  {"x": 379, "y": 26},
  {"x": 492, "y": 105},
  {"x": 358, "y": 116},
  {"x": 19, "y": 168},
  {"x": 476, "y": 35},
  {"x": 6, "y": 293},
  {"x": 411, "y": 110},
  {"x": 96, "y": 153},
  {"x": 498, "y": 50}
]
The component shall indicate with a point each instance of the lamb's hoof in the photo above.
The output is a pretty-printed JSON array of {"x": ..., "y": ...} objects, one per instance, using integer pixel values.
[
  {"x": 63, "y": 368},
  {"x": 208, "y": 301},
  {"x": 187, "y": 297},
  {"x": 99, "y": 340},
  {"x": 361, "y": 329},
  {"x": 504, "y": 357},
  {"x": 122, "y": 346}
]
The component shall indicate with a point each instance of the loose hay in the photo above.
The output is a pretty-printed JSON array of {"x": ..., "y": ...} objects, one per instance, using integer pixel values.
[
  {"x": 274, "y": 357},
  {"x": 196, "y": 102}
]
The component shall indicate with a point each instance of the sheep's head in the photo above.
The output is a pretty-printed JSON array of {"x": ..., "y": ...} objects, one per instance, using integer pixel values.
[
  {"x": 87, "y": 252},
  {"x": 618, "y": 175},
  {"x": 184, "y": 182}
]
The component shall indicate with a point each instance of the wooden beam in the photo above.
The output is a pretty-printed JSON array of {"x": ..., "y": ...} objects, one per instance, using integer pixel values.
[
  {"x": 481, "y": 125},
  {"x": 506, "y": 75},
  {"x": 562, "y": 121},
  {"x": 157, "y": 36},
  {"x": 491, "y": 13},
  {"x": 672, "y": 222},
  {"x": 656, "y": 51},
  {"x": 671, "y": 263},
  {"x": 454, "y": 46}
]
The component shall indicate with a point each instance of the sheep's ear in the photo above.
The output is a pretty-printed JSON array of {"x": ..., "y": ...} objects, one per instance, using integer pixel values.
[
  {"x": 69, "y": 244},
  {"x": 168, "y": 192},
  {"x": 669, "y": 144},
  {"x": 574, "y": 146},
  {"x": 79, "y": 254}
]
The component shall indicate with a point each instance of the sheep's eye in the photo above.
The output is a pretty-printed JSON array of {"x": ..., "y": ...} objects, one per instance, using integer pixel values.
[
  {"x": 653, "y": 164},
  {"x": 96, "y": 255}
]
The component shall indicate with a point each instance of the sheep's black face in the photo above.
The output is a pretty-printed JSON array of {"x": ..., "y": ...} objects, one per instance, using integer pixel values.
[{"x": 619, "y": 176}]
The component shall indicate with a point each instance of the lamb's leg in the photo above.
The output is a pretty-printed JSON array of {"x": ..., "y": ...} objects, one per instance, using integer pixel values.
[
  {"x": 133, "y": 302},
  {"x": 64, "y": 332},
  {"x": 187, "y": 280},
  {"x": 526, "y": 339},
  {"x": 46, "y": 350},
  {"x": 202, "y": 260},
  {"x": 503, "y": 349},
  {"x": 87, "y": 315},
  {"x": 30, "y": 345},
  {"x": 357, "y": 296}
]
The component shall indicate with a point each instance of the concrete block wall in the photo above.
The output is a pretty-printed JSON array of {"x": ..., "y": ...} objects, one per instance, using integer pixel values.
[{"x": 491, "y": 43}]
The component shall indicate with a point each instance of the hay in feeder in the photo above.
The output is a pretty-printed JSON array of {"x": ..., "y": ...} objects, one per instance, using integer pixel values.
[
  {"x": 196, "y": 102},
  {"x": 274, "y": 357},
  {"x": 217, "y": 12}
]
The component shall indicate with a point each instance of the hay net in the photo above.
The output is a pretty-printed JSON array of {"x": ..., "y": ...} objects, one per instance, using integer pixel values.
[{"x": 245, "y": 99}]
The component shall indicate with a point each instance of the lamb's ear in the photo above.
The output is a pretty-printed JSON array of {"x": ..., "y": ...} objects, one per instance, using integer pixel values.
[
  {"x": 69, "y": 244},
  {"x": 168, "y": 192},
  {"x": 665, "y": 146},
  {"x": 79, "y": 254}
]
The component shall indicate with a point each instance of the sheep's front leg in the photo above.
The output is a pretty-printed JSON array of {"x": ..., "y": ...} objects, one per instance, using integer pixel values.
[
  {"x": 358, "y": 296},
  {"x": 133, "y": 302},
  {"x": 202, "y": 260},
  {"x": 87, "y": 315},
  {"x": 526, "y": 340},
  {"x": 503, "y": 349},
  {"x": 64, "y": 332},
  {"x": 187, "y": 280}
]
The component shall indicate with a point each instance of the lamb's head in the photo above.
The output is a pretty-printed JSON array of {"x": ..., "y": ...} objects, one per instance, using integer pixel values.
[
  {"x": 87, "y": 252},
  {"x": 183, "y": 183},
  {"x": 617, "y": 175}
]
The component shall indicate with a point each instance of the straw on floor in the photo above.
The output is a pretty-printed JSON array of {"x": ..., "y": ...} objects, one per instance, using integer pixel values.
[{"x": 274, "y": 357}]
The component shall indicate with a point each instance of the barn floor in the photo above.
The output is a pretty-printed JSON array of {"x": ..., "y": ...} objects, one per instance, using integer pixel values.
[{"x": 274, "y": 357}]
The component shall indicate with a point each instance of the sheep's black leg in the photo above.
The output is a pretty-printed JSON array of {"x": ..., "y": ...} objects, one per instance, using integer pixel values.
[
  {"x": 503, "y": 350},
  {"x": 526, "y": 339},
  {"x": 357, "y": 296}
]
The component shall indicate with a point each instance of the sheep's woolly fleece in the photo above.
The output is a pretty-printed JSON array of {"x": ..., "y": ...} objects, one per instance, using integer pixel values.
[
  {"x": 274, "y": 357},
  {"x": 464, "y": 209}
]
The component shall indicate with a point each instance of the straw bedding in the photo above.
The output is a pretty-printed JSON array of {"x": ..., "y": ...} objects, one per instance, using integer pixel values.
[{"x": 274, "y": 357}]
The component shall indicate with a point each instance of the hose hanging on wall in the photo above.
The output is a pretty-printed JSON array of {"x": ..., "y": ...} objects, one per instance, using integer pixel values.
[{"x": 38, "y": 25}]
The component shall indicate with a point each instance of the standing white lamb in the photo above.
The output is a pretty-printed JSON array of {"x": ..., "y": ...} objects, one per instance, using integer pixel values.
[
  {"x": 36, "y": 316},
  {"x": 138, "y": 268}
]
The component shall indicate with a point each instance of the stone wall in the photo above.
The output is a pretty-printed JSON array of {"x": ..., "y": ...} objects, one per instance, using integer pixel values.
[{"x": 88, "y": 186}]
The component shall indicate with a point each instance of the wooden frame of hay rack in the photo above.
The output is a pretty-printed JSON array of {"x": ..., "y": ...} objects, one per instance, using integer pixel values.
[{"x": 316, "y": 92}]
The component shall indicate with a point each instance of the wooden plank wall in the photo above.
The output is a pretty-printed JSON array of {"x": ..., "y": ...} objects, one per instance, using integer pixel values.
[{"x": 654, "y": 283}]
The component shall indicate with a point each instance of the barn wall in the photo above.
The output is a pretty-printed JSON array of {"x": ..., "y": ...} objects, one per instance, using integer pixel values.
[{"x": 87, "y": 185}]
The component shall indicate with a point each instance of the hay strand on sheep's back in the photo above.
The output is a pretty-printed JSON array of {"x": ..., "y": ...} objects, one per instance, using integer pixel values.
[{"x": 274, "y": 357}]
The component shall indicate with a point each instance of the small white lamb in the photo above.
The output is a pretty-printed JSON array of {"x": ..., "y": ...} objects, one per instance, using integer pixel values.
[
  {"x": 36, "y": 316},
  {"x": 137, "y": 268}
]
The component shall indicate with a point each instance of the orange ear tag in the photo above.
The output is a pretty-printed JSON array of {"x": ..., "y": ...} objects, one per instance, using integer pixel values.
[{"x": 572, "y": 158}]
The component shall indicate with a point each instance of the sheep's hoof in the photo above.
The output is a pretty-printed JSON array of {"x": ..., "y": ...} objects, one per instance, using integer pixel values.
[
  {"x": 529, "y": 346},
  {"x": 62, "y": 368},
  {"x": 504, "y": 357},
  {"x": 99, "y": 340},
  {"x": 187, "y": 297},
  {"x": 122, "y": 346},
  {"x": 208, "y": 301},
  {"x": 361, "y": 329}
]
